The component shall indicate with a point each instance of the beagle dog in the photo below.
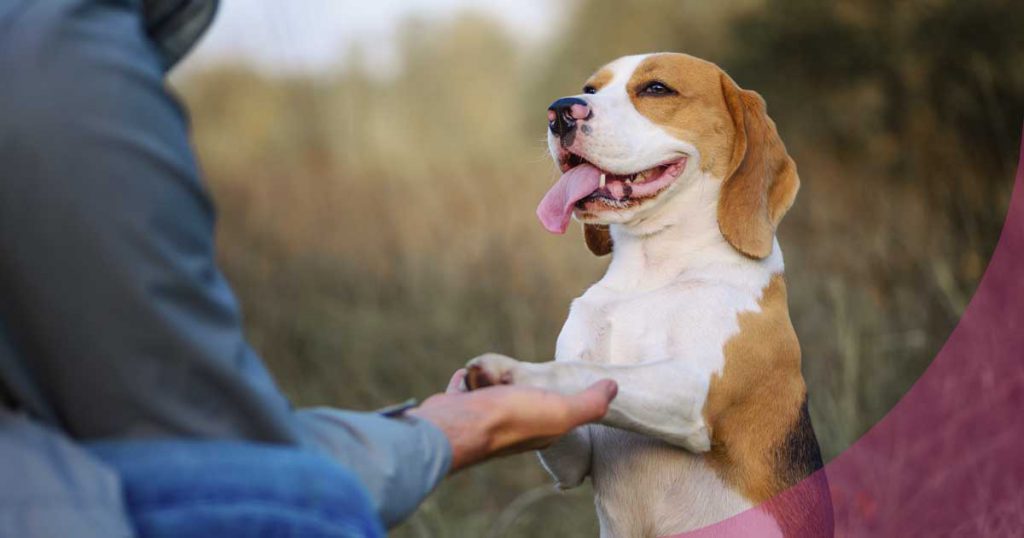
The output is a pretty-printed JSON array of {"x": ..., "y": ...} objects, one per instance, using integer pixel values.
[{"x": 680, "y": 174}]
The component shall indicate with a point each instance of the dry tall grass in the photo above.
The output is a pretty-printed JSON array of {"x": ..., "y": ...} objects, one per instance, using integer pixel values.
[{"x": 380, "y": 231}]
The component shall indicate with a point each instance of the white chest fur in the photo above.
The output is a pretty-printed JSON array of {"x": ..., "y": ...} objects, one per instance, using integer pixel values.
[
  {"x": 689, "y": 318},
  {"x": 683, "y": 310},
  {"x": 640, "y": 482}
]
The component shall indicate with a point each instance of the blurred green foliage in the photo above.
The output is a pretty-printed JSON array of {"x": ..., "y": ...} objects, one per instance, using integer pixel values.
[{"x": 379, "y": 229}]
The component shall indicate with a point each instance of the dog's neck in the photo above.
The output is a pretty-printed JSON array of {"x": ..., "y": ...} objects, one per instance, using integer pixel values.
[{"x": 679, "y": 237}]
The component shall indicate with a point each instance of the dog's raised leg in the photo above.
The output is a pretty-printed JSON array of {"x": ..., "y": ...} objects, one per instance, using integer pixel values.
[{"x": 664, "y": 398}]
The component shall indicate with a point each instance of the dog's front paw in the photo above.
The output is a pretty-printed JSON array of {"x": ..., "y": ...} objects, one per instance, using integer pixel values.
[{"x": 491, "y": 369}]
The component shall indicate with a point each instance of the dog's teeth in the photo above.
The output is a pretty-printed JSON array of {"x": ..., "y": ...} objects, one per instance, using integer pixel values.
[
  {"x": 629, "y": 179},
  {"x": 603, "y": 180}
]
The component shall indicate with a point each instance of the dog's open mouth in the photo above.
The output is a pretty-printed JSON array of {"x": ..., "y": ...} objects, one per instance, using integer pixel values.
[{"x": 582, "y": 184}]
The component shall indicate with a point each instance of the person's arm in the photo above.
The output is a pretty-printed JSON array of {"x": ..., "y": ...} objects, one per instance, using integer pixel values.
[
  {"x": 447, "y": 433},
  {"x": 398, "y": 459}
]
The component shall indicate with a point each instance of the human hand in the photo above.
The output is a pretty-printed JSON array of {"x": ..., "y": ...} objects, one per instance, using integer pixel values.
[{"x": 507, "y": 419}]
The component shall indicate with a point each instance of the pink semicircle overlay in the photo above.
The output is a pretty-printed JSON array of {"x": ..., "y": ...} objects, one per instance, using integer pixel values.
[{"x": 948, "y": 459}]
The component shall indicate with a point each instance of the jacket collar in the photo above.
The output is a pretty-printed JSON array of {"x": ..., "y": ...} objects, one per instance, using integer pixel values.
[{"x": 176, "y": 25}]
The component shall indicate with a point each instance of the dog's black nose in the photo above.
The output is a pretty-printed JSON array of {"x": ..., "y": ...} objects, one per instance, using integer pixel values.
[{"x": 565, "y": 112}]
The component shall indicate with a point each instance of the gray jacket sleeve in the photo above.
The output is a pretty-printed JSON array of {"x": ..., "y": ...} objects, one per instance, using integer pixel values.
[{"x": 116, "y": 321}]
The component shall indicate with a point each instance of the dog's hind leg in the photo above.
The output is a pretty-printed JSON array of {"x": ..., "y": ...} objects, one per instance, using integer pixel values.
[{"x": 568, "y": 459}]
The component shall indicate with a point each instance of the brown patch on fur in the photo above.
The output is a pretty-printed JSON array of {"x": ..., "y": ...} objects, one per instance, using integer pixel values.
[
  {"x": 599, "y": 79},
  {"x": 697, "y": 112},
  {"x": 762, "y": 182},
  {"x": 736, "y": 139},
  {"x": 761, "y": 442},
  {"x": 598, "y": 238}
]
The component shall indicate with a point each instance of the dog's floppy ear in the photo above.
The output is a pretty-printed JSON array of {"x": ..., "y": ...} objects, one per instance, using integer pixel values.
[
  {"x": 598, "y": 238},
  {"x": 762, "y": 180}
]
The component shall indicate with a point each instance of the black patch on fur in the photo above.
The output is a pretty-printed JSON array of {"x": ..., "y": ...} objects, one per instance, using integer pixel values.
[
  {"x": 799, "y": 454},
  {"x": 805, "y": 512}
]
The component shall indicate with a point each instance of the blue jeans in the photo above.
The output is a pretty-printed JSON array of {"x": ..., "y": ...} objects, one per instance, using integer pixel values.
[{"x": 219, "y": 489}]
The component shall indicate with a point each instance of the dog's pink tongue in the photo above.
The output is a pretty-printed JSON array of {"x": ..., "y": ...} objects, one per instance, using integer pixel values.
[{"x": 555, "y": 209}]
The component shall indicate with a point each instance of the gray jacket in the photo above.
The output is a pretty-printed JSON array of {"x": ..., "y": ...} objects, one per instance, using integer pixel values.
[{"x": 115, "y": 321}]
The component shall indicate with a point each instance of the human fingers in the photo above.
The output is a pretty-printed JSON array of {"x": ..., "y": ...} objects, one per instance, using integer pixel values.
[
  {"x": 591, "y": 404},
  {"x": 531, "y": 417},
  {"x": 456, "y": 385}
]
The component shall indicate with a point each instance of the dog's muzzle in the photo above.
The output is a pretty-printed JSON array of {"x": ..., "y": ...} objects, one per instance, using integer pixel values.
[{"x": 563, "y": 116}]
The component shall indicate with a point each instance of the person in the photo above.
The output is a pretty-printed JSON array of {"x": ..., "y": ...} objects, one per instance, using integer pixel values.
[{"x": 132, "y": 403}]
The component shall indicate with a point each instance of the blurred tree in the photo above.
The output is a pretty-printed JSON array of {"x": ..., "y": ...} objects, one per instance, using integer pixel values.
[{"x": 947, "y": 85}]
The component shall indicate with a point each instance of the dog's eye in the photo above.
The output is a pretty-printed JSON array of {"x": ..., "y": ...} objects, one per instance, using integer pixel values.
[
  {"x": 589, "y": 89},
  {"x": 656, "y": 88}
]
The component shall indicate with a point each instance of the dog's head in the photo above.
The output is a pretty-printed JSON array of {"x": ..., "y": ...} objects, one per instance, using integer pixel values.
[{"x": 647, "y": 128}]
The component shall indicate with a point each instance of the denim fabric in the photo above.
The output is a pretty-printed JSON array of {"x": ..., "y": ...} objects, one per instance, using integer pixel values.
[{"x": 188, "y": 489}]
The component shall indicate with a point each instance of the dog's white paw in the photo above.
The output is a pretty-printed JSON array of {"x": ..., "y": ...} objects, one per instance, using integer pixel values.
[{"x": 491, "y": 369}]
